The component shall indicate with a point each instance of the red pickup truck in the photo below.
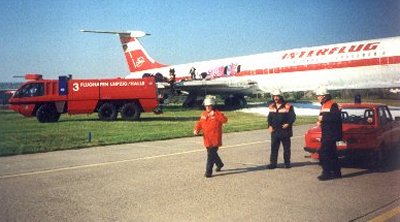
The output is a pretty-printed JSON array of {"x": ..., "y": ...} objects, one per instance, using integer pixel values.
[{"x": 368, "y": 128}]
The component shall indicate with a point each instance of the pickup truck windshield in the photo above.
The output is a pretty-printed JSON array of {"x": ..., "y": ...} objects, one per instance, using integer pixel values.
[{"x": 361, "y": 116}]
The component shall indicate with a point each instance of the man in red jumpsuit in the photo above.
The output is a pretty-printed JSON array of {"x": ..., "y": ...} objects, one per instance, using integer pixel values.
[{"x": 210, "y": 123}]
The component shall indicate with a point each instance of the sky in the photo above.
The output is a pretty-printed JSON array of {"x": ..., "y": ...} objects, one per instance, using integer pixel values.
[{"x": 43, "y": 36}]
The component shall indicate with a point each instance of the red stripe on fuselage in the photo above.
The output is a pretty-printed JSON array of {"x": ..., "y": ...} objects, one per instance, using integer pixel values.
[{"x": 320, "y": 66}]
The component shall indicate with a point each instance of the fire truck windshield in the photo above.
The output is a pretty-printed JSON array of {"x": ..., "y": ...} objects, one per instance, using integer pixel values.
[{"x": 30, "y": 90}]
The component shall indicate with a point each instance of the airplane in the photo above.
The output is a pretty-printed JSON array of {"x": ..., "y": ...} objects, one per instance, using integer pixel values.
[{"x": 364, "y": 64}]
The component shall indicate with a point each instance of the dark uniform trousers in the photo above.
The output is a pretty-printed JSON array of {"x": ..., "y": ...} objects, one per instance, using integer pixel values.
[
  {"x": 276, "y": 139},
  {"x": 329, "y": 157},
  {"x": 212, "y": 158},
  {"x": 331, "y": 127}
]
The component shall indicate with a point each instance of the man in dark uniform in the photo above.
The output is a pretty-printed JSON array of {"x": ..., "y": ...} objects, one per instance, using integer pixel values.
[
  {"x": 192, "y": 72},
  {"x": 330, "y": 122},
  {"x": 280, "y": 120},
  {"x": 172, "y": 80}
]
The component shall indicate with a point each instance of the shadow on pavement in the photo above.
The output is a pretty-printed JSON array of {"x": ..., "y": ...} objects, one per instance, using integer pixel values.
[
  {"x": 225, "y": 172},
  {"x": 391, "y": 164}
]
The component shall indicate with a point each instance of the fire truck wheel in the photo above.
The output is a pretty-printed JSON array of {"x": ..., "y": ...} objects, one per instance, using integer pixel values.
[
  {"x": 130, "y": 111},
  {"x": 47, "y": 113},
  {"x": 107, "y": 112}
]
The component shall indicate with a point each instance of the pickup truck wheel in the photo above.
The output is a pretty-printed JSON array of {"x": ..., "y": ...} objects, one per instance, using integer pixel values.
[
  {"x": 107, "y": 112},
  {"x": 47, "y": 113},
  {"x": 379, "y": 158},
  {"x": 130, "y": 111}
]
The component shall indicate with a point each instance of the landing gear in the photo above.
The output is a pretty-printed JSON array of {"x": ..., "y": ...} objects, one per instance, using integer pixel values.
[
  {"x": 230, "y": 102},
  {"x": 190, "y": 100},
  {"x": 235, "y": 101}
]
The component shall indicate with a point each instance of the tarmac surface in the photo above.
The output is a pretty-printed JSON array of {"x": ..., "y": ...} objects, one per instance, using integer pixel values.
[{"x": 164, "y": 181}]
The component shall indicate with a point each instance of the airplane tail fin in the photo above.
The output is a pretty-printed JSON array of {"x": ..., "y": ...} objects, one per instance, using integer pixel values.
[{"x": 136, "y": 56}]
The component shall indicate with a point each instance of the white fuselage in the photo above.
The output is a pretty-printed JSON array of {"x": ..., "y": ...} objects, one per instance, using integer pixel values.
[{"x": 355, "y": 65}]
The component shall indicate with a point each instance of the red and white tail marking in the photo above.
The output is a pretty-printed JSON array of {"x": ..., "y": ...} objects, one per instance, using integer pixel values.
[{"x": 136, "y": 56}]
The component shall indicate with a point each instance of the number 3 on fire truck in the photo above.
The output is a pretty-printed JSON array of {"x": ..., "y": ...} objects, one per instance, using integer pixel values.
[{"x": 75, "y": 87}]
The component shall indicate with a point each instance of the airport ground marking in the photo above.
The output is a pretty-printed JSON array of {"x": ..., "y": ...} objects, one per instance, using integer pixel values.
[
  {"x": 45, "y": 171},
  {"x": 386, "y": 216}
]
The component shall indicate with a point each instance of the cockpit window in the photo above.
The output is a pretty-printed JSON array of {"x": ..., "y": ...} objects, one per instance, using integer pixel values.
[{"x": 30, "y": 90}]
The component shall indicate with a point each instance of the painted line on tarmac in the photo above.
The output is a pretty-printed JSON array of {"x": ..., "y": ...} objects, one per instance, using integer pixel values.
[
  {"x": 39, "y": 172},
  {"x": 387, "y": 215}
]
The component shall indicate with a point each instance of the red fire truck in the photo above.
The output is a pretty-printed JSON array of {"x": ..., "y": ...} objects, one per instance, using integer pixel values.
[{"x": 48, "y": 99}]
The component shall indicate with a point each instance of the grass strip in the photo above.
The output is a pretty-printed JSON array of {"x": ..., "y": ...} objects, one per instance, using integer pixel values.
[{"x": 21, "y": 135}]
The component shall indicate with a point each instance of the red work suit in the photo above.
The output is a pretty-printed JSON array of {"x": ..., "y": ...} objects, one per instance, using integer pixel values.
[{"x": 212, "y": 128}]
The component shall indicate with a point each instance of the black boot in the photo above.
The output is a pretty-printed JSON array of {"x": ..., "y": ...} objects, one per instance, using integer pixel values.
[
  {"x": 324, "y": 176},
  {"x": 219, "y": 168},
  {"x": 336, "y": 174}
]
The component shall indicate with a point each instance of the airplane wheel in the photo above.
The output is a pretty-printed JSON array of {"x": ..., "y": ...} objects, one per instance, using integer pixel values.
[
  {"x": 107, "y": 112},
  {"x": 130, "y": 111},
  {"x": 47, "y": 113}
]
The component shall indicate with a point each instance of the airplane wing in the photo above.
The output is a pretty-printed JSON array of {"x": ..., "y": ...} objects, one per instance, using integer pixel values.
[{"x": 218, "y": 86}]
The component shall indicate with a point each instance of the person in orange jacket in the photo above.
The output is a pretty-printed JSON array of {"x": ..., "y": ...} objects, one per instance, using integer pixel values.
[{"x": 210, "y": 123}]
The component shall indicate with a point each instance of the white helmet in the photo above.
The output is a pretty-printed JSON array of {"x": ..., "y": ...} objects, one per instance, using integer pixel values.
[
  {"x": 321, "y": 91},
  {"x": 276, "y": 92},
  {"x": 209, "y": 101}
]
